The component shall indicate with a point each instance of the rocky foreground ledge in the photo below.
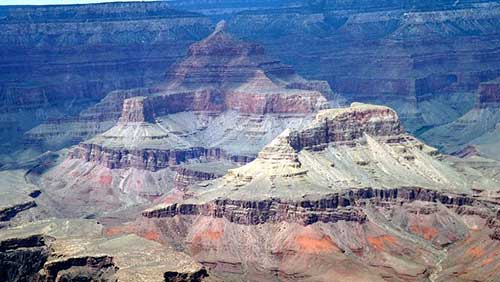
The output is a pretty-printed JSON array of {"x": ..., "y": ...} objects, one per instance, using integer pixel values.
[{"x": 74, "y": 250}]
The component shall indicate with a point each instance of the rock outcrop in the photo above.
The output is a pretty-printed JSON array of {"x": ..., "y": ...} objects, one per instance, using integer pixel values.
[
  {"x": 350, "y": 191},
  {"x": 75, "y": 250},
  {"x": 189, "y": 174},
  {"x": 346, "y": 206},
  {"x": 16, "y": 194},
  {"x": 342, "y": 151},
  {"x": 136, "y": 141}
]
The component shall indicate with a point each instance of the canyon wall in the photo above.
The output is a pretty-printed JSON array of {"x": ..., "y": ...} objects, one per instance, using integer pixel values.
[
  {"x": 57, "y": 60},
  {"x": 426, "y": 59}
]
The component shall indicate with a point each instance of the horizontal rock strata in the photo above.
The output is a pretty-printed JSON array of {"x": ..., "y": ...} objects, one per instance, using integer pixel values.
[
  {"x": 149, "y": 159},
  {"x": 339, "y": 206},
  {"x": 187, "y": 176},
  {"x": 345, "y": 126},
  {"x": 8, "y": 213}
]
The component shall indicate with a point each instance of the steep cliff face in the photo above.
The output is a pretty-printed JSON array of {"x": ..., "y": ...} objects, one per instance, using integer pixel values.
[
  {"x": 62, "y": 59},
  {"x": 341, "y": 149}
]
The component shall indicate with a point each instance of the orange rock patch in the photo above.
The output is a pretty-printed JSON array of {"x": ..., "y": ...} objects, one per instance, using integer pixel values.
[
  {"x": 105, "y": 179},
  {"x": 313, "y": 244},
  {"x": 205, "y": 240},
  {"x": 151, "y": 235},
  {"x": 491, "y": 258},
  {"x": 487, "y": 261},
  {"x": 379, "y": 243},
  {"x": 210, "y": 235},
  {"x": 475, "y": 252},
  {"x": 118, "y": 230},
  {"x": 428, "y": 233}
]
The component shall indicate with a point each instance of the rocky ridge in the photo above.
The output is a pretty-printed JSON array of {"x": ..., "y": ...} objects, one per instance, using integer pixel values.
[{"x": 75, "y": 250}]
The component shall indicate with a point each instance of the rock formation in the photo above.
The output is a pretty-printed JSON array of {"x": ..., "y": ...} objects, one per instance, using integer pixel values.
[
  {"x": 16, "y": 194},
  {"x": 235, "y": 163},
  {"x": 351, "y": 187},
  {"x": 136, "y": 141},
  {"x": 75, "y": 250},
  {"x": 222, "y": 80},
  {"x": 134, "y": 162},
  {"x": 415, "y": 57}
]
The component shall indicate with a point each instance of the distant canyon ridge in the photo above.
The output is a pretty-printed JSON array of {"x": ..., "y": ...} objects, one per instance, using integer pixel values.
[{"x": 435, "y": 62}]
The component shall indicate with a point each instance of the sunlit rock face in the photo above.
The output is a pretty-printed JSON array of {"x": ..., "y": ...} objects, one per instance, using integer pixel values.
[
  {"x": 215, "y": 110},
  {"x": 136, "y": 141},
  {"x": 76, "y": 250},
  {"x": 345, "y": 194},
  {"x": 133, "y": 163}
]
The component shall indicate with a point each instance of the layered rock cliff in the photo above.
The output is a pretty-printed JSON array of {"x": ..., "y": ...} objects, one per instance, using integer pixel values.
[
  {"x": 349, "y": 192},
  {"x": 222, "y": 79},
  {"x": 424, "y": 59},
  {"x": 360, "y": 147},
  {"x": 63, "y": 59}
]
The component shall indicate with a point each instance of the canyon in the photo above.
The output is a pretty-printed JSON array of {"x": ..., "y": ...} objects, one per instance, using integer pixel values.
[{"x": 424, "y": 59}]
